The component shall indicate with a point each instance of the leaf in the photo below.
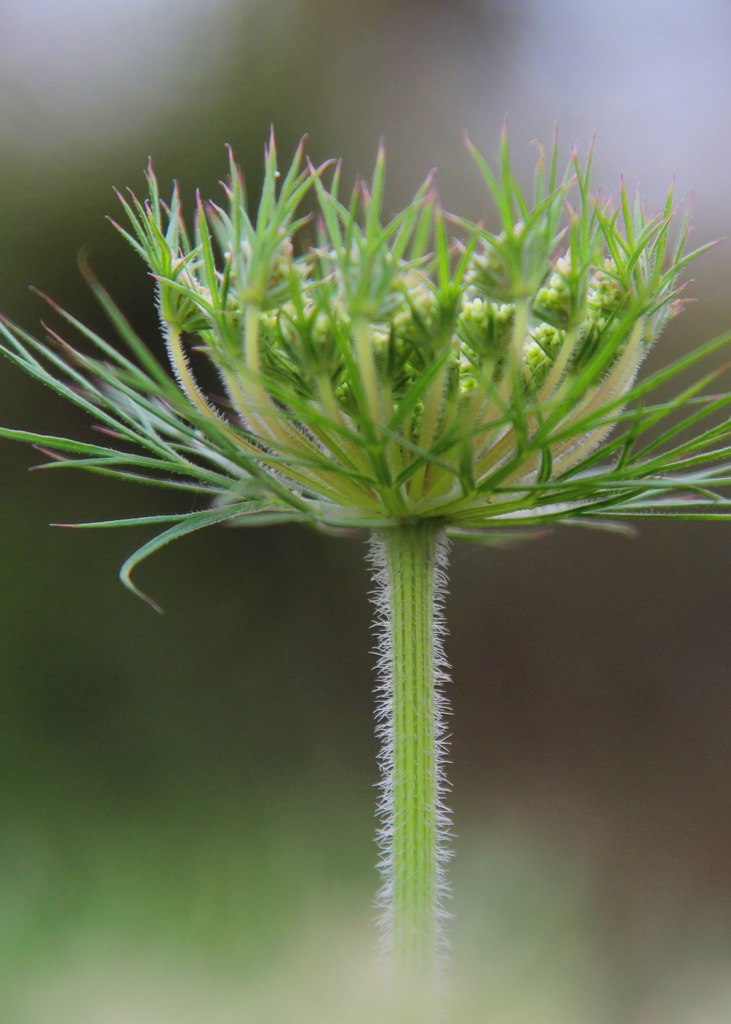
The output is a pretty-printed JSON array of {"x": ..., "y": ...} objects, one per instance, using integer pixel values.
[
  {"x": 496, "y": 538},
  {"x": 192, "y": 522}
]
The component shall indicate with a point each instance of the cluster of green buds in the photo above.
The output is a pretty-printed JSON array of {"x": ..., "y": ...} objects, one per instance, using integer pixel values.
[
  {"x": 394, "y": 375},
  {"x": 380, "y": 371}
]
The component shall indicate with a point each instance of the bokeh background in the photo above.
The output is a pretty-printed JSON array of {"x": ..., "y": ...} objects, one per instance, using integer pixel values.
[{"x": 186, "y": 801}]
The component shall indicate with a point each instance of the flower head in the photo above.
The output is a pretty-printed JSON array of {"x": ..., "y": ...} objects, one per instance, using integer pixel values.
[{"x": 377, "y": 371}]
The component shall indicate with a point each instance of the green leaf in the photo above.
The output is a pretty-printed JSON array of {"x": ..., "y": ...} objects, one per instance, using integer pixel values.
[{"x": 192, "y": 522}]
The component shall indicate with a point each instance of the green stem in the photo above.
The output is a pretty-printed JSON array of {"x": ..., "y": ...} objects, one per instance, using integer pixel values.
[{"x": 409, "y": 562}]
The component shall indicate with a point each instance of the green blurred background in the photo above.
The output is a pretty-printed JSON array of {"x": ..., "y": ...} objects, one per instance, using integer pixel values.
[{"x": 186, "y": 802}]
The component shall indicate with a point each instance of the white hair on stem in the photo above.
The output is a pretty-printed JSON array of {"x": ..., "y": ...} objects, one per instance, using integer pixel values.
[{"x": 386, "y": 556}]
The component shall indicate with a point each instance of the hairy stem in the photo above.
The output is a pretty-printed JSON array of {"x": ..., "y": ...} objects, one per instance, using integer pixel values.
[{"x": 409, "y": 565}]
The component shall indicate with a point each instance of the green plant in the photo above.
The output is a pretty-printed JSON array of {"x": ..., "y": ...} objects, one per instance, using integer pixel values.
[{"x": 419, "y": 377}]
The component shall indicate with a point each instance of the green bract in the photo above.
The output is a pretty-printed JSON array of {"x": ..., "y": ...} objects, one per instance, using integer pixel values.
[{"x": 383, "y": 371}]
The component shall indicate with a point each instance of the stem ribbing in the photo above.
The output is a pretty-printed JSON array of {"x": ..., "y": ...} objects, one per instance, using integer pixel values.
[{"x": 409, "y": 563}]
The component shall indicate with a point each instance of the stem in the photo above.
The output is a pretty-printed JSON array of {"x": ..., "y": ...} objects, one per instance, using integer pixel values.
[
  {"x": 367, "y": 368},
  {"x": 409, "y": 563}
]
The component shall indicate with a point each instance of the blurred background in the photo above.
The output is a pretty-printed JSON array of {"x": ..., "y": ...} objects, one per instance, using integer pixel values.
[{"x": 186, "y": 801}]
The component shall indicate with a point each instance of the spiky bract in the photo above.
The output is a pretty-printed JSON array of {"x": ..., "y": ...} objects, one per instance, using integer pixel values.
[{"x": 379, "y": 371}]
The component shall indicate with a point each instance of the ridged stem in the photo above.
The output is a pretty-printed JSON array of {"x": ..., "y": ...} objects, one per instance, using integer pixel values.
[{"x": 409, "y": 565}]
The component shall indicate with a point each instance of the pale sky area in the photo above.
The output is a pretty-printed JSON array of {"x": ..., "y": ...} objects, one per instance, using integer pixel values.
[
  {"x": 70, "y": 67},
  {"x": 652, "y": 77}
]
